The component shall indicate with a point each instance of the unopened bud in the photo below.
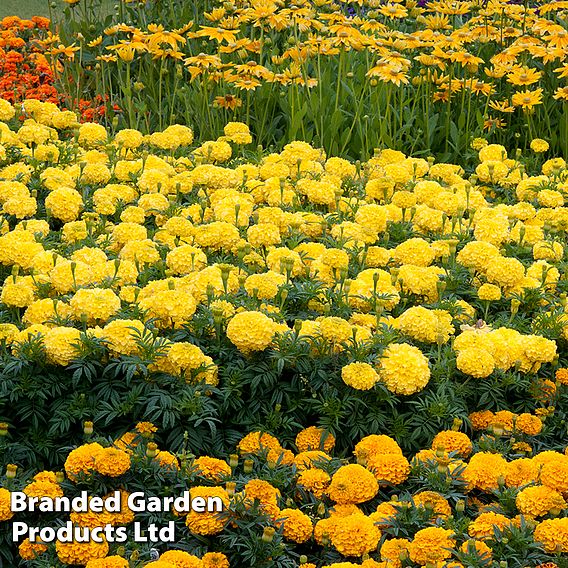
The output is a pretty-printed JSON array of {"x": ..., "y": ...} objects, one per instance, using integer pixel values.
[
  {"x": 11, "y": 470},
  {"x": 268, "y": 534},
  {"x": 152, "y": 450},
  {"x": 247, "y": 466},
  {"x": 88, "y": 428}
]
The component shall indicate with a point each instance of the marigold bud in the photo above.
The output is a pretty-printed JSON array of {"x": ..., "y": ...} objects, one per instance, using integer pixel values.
[
  {"x": 268, "y": 534},
  {"x": 152, "y": 450}
]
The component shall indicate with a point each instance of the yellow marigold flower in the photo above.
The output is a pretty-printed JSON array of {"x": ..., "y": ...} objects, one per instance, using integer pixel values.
[
  {"x": 537, "y": 501},
  {"x": 208, "y": 523},
  {"x": 92, "y": 134},
  {"x": 424, "y": 325},
  {"x": 478, "y": 363},
  {"x": 170, "y": 307},
  {"x": 313, "y": 438},
  {"x": 489, "y": 292},
  {"x": 415, "y": 251},
  {"x": 520, "y": 472},
  {"x": 43, "y": 488},
  {"x": 108, "y": 562},
  {"x": 314, "y": 480},
  {"x": 355, "y": 535},
  {"x": 94, "y": 304},
  {"x": 392, "y": 549},
  {"x": 181, "y": 559},
  {"x": 493, "y": 152},
  {"x": 264, "y": 286},
  {"x": 562, "y": 376},
  {"x": 389, "y": 468},
  {"x": 528, "y": 424},
  {"x": 505, "y": 272},
  {"x": 80, "y": 552},
  {"x": 187, "y": 360},
  {"x": 5, "y": 508},
  {"x": 129, "y": 138},
  {"x": 112, "y": 462},
  {"x": 30, "y": 551},
  {"x": 477, "y": 548},
  {"x": 539, "y": 146},
  {"x": 375, "y": 444},
  {"x": 238, "y": 132},
  {"x": 46, "y": 311},
  {"x": 18, "y": 292},
  {"x": 545, "y": 250},
  {"x": 335, "y": 330},
  {"x": 122, "y": 335},
  {"x": 8, "y": 332},
  {"x": 553, "y": 535},
  {"x": 82, "y": 459},
  {"x": 477, "y": 254},
  {"x": 484, "y": 469},
  {"x": 385, "y": 513},
  {"x": 434, "y": 502},
  {"x": 61, "y": 345},
  {"x": 146, "y": 428},
  {"x": 352, "y": 484},
  {"x": 167, "y": 460},
  {"x": 360, "y": 376},
  {"x": 251, "y": 331},
  {"x": 483, "y": 527},
  {"x": 452, "y": 441},
  {"x": 64, "y": 204},
  {"x": 479, "y": 143},
  {"x": 431, "y": 545},
  {"x": 481, "y": 419},
  {"x": 212, "y": 468},
  {"x": 297, "y": 525},
  {"x": 214, "y": 560},
  {"x": 266, "y": 494},
  {"x": 404, "y": 369},
  {"x": 257, "y": 442},
  {"x": 7, "y": 111},
  {"x": 554, "y": 474}
]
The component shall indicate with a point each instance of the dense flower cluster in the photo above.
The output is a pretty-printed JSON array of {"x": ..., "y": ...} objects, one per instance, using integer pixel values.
[
  {"x": 470, "y": 68},
  {"x": 168, "y": 219},
  {"x": 436, "y": 514},
  {"x": 26, "y": 72}
]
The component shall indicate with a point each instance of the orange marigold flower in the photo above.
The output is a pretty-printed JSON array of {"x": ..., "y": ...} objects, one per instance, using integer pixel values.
[
  {"x": 453, "y": 442},
  {"x": 314, "y": 438}
]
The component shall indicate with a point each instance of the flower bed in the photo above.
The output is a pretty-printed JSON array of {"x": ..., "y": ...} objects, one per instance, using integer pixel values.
[
  {"x": 417, "y": 77},
  {"x": 460, "y": 503},
  {"x": 216, "y": 289},
  {"x": 25, "y": 73}
]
